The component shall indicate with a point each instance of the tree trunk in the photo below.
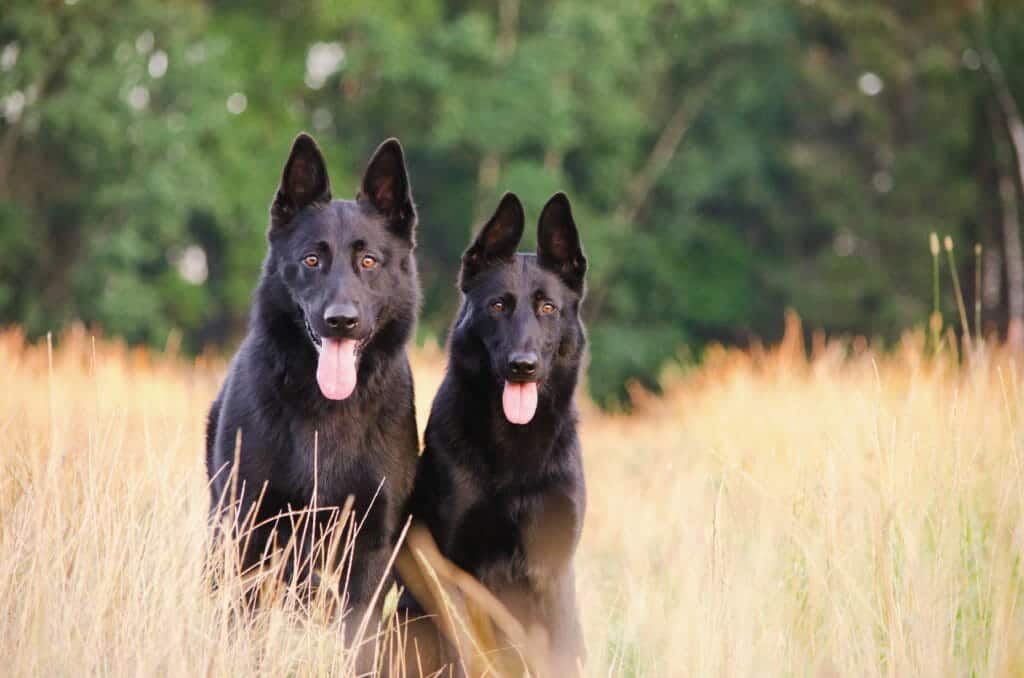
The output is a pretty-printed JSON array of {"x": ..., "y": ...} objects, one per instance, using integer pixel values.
[
  {"x": 640, "y": 185},
  {"x": 1014, "y": 262},
  {"x": 662, "y": 153},
  {"x": 1008, "y": 198},
  {"x": 508, "y": 23},
  {"x": 487, "y": 174},
  {"x": 489, "y": 169}
]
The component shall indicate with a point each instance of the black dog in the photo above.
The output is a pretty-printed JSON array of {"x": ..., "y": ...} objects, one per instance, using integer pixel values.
[
  {"x": 320, "y": 393},
  {"x": 500, "y": 483}
]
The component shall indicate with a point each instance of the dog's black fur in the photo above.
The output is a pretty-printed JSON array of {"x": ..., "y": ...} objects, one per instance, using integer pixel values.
[
  {"x": 506, "y": 502},
  {"x": 271, "y": 399}
]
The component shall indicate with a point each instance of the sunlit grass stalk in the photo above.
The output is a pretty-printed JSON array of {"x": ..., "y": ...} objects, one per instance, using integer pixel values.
[
  {"x": 977, "y": 292},
  {"x": 935, "y": 320},
  {"x": 948, "y": 242}
]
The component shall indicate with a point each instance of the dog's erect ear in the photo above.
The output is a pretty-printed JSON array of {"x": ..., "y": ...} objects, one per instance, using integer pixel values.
[
  {"x": 385, "y": 187},
  {"x": 303, "y": 182},
  {"x": 558, "y": 242},
  {"x": 497, "y": 240}
]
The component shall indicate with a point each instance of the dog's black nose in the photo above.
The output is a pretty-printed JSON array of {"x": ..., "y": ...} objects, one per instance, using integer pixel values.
[
  {"x": 522, "y": 364},
  {"x": 342, "y": 316}
]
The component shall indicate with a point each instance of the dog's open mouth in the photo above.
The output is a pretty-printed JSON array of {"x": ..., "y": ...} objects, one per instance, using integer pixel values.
[
  {"x": 519, "y": 401},
  {"x": 338, "y": 366}
]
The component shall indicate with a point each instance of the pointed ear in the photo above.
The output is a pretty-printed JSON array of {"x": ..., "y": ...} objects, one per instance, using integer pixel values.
[
  {"x": 303, "y": 181},
  {"x": 558, "y": 242},
  {"x": 386, "y": 188},
  {"x": 497, "y": 240}
]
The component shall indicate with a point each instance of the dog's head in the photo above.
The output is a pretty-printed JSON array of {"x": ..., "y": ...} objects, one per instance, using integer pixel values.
[
  {"x": 524, "y": 309},
  {"x": 348, "y": 265}
]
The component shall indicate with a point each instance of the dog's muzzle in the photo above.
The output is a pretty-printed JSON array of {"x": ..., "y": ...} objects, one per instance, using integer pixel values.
[{"x": 314, "y": 338}]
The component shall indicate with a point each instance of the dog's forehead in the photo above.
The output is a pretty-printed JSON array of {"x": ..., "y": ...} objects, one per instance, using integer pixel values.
[
  {"x": 342, "y": 222},
  {"x": 523, "y": 276},
  {"x": 352, "y": 222}
]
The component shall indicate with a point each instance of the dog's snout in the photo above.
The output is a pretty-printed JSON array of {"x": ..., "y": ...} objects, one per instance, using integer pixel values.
[
  {"x": 343, "y": 316},
  {"x": 523, "y": 364}
]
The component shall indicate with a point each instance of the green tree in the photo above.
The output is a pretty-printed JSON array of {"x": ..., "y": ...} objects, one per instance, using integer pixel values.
[{"x": 726, "y": 159}]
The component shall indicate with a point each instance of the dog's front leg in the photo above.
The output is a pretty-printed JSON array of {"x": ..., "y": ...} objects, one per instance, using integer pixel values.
[{"x": 550, "y": 537}]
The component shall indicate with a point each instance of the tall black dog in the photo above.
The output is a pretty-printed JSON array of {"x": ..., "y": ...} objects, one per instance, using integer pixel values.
[
  {"x": 500, "y": 483},
  {"x": 320, "y": 393}
]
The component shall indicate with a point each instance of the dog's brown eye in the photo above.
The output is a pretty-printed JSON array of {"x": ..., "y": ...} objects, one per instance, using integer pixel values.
[
  {"x": 368, "y": 261},
  {"x": 547, "y": 308},
  {"x": 311, "y": 260},
  {"x": 497, "y": 306}
]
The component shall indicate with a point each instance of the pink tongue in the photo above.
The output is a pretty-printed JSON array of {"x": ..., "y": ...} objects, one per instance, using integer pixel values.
[
  {"x": 519, "y": 401},
  {"x": 336, "y": 372}
]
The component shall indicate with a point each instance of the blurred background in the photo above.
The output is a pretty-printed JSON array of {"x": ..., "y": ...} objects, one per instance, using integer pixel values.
[{"x": 726, "y": 159}]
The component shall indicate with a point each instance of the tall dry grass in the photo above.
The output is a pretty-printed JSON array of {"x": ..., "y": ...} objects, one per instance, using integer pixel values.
[{"x": 854, "y": 514}]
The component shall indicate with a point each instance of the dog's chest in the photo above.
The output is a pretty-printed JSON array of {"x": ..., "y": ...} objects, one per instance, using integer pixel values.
[
  {"x": 521, "y": 537},
  {"x": 336, "y": 459}
]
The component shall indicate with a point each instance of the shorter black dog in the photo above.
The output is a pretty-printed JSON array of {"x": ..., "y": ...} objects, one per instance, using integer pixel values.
[{"x": 500, "y": 482}]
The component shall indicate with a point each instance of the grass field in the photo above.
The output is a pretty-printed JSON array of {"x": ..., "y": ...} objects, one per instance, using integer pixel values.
[{"x": 853, "y": 514}]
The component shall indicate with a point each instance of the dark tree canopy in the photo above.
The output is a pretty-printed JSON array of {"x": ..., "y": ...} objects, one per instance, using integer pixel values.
[{"x": 725, "y": 159}]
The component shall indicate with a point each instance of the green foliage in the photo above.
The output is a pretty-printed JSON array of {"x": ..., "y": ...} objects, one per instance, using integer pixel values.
[{"x": 726, "y": 159}]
